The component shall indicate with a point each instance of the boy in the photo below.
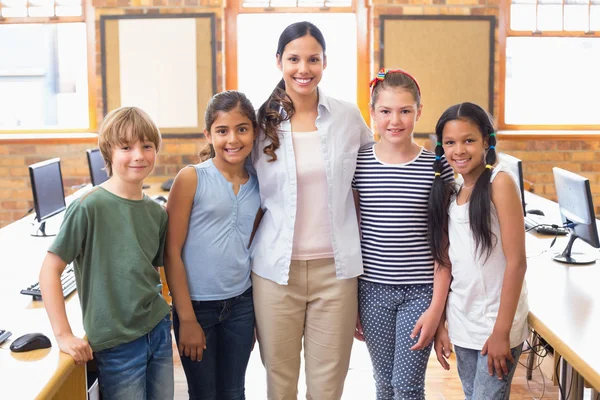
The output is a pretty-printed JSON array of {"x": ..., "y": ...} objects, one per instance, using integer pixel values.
[{"x": 115, "y": 235}]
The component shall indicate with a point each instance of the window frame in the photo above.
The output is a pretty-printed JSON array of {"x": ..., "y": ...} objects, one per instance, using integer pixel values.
[
  {"x": 87, "y": 18},
  {"x": 504, "y": 32},
  {"x": 359, "y": 8}
]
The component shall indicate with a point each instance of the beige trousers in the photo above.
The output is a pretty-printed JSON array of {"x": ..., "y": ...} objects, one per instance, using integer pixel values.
[{"x": 317, "y": 307}]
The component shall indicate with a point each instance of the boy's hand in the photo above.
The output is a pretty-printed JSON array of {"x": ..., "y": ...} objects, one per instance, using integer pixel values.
[
  {"x": 426, "y": 324},
  {"x": 497, "y": 348},
  {"x": 76, "y": 347},
  {"x": 191, "y": 340},
  {"x": 442, "y": 346},
  {"x": 359, "y": 333}
]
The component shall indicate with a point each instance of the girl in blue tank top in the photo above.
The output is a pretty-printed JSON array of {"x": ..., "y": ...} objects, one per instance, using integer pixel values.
[{"x": 212, "y": 207}]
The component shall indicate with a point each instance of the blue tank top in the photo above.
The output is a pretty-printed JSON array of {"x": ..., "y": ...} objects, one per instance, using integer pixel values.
[{"x": 215, "y": 252}]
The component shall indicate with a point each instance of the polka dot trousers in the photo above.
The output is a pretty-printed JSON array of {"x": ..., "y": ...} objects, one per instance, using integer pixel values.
[{"x": 388, "y": 314}]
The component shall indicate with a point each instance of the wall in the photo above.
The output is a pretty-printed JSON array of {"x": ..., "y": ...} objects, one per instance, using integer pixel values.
[{"x": 539, "y": 156}]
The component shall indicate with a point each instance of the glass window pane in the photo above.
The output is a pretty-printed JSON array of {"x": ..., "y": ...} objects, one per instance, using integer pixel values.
[
  {"x": 576, "y": 18},
  {"x": 69, "y": 2},
  {"x": 259, "y": 4},
  {"x": 41, "y": 11},
  {"x": 595, "y": 18},
  {"x": 41, "y": 3},
  {"x": 549, "y": 18},
  {"x": 44, "y": 84},
  {"x": 552, "y": 81},
  {"x": 283, "y": 3},
  {"x": 14, "y": 3},
  {"x": 14, "y": 12},
  {"x": 522, "y": 17},
  {"x": 69, "y": 11}
]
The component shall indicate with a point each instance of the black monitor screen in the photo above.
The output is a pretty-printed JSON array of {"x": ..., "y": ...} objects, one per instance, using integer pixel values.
[
  {"x": 515, "y": 166},
  {"x": 96, "y": 164},
  {"x": 47, "y": 188},
  {"x": 576, "y": 205}
]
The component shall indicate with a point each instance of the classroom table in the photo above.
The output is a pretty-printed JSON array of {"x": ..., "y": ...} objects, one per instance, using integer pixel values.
[
  {"x": 44, "y": 373},
  {"x": 564, "y": 302}
]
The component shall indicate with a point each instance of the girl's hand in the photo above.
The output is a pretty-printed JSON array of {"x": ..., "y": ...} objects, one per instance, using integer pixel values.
[
  {"x": 442, "y": 346},
  {"x": 359, "y": 333},
  {"x": 427, "y": 325},
  {"x": 497, "y": 348},
  {"x": 191, "y": 340}
]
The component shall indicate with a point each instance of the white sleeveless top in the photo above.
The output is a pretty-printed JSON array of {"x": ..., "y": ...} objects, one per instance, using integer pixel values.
[{"x": 474, "y": 298}]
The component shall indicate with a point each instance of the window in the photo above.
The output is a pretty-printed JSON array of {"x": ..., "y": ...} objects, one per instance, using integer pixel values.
[
  {"x": 41, "y": 8},
  {"x": 296, "y": 3},
  {"x": 551, "y": 59},
  {"x": 43, "y": 66}
]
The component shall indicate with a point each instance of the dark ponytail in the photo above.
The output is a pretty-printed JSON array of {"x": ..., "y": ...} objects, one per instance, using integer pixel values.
[
  {"x": 269, "y": 114},
  {"x": 480, "y": 201},
  {"x": 270, "y": 117},
  {"x": 439, "y": 199}
]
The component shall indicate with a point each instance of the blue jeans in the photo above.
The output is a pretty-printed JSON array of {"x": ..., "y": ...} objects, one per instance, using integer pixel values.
[
  {"x": 388, "y": 314},
  {"x": 141, "y": 369},
  {"x": 229, "y": 330},
  {"x": 477, "y": 383}
]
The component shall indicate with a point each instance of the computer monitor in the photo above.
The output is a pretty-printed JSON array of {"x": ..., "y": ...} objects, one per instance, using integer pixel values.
[
  {"x": 577, "y": 213},
  {"x": 515, "y": 166},
  {"x": 98, "y": 174},
  {"x": 48, "y": 191}
]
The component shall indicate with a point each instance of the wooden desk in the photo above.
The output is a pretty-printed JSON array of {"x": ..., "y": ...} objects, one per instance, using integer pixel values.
[
  {"x": 39, "y": 374},
  {"x": 46, "y": 373},
  {"x": 564, "y": 300}
]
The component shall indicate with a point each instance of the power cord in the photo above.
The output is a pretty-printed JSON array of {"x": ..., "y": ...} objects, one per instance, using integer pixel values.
[
  {"x": 27, "y": 213},
  {"x": 555, "y": 227},
  {"x": 541, "y": 351}
]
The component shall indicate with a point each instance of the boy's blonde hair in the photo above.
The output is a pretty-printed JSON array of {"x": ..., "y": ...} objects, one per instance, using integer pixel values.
[{"x": 123, "y": 126}]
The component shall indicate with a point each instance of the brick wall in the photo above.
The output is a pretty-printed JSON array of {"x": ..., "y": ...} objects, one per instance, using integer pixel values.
[{"x": 539, "y": 157}]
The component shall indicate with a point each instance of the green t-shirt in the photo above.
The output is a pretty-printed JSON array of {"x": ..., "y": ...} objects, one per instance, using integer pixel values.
[{"x": 115, "y": 244}]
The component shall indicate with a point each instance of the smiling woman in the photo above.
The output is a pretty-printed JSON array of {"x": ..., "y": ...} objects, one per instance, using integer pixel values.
[{"x": 305, "y": 160}]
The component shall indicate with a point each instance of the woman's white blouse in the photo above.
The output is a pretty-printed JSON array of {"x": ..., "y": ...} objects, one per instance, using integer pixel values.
[{"x": 343, "y": 132}]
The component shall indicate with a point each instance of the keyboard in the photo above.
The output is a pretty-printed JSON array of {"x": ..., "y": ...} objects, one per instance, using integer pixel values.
[
  {"x": 4, "y": 335},
  {"x": 543, "y": 227},
  {"x": 67, "y": 281}
]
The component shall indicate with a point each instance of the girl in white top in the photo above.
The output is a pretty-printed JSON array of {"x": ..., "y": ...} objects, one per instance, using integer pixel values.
[
  {"x": 476, "y": 229},
  {"x": 306, "y": 251}
]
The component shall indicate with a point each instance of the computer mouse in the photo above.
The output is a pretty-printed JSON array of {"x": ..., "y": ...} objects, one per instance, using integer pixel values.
[
  {"x": 30, "y": 341},
  {"x": 535, "y": 212},
  {"x": 166, "y": 185},
  {"x": 160, "y": 199}
]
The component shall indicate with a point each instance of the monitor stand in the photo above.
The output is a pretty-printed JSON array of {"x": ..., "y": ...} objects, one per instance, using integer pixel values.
[
  {"x": 566, "y": 257},
  {"x": 40, "y": 230}
]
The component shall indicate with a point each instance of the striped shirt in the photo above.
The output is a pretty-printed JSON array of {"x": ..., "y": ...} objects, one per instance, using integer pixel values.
[{"x": 393, "y": 213}]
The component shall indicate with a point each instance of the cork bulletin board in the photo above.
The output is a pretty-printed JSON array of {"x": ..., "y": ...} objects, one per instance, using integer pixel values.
[
  {"x": 452, "y": 57},
  {"x": 164, "y": 64}
]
